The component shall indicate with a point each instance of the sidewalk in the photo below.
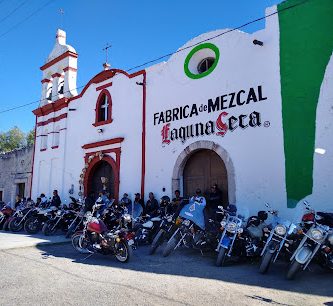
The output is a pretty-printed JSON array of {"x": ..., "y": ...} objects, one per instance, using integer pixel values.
[{"x": 9, "y": 240}]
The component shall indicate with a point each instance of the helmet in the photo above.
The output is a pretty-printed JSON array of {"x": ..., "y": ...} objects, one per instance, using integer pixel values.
[
  {"x": 165, "y": 200},
  {"x": 262, "y": 215}
]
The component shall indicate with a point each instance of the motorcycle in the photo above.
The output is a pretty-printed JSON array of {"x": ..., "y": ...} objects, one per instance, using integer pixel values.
[
  {"x": 231, "y": 227},
  {"x": 19, "y": 217},
  {"x": 312, "y": 245},
  {"x": 36, "y": 221},
  {"x": 5, "y": 214},
  {"x": 61, "y": 220},
  {"x": 191, "y": 229},
  {"x": 145, "y": 229},
  {"x": 96, "y": 238},
  {"x": 280, "y": 239},
  {"x": 167, "y": 226}
]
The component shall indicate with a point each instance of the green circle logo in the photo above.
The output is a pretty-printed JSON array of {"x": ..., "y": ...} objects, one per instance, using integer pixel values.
[{"x": 198, "y": 75}]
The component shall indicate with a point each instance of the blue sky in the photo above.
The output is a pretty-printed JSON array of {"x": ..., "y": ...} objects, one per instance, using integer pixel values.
[{"x": 138, "y": 31}]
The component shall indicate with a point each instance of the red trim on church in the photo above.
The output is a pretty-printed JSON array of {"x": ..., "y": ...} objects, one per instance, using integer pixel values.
[
  {"x": 56, "y": 75},
  {"x": 54, "y": 119},
  {"x": 70, "y": 69},
  {"x": 99, "y": 109},
  {"x": 104, "y": 86},
  {"x": 58, "y": 59},
  {"x": 102, "y": 76},
  {"x": 103, "y": 143},
  {"x": 51, "y": 107},
  {"x": 115, "y": 167},
  {"x": 45, "y": 81}
]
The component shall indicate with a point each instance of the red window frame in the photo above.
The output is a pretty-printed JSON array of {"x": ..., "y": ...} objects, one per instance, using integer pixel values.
[{"x": 98, "y": 108}]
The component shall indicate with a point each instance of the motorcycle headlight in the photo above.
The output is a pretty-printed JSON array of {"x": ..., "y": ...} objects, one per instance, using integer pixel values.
[
  {"x": 231, "y": 227},
  {"x": 330, "y": 239},
  {"x": 58, "y": 213},
  {"x": 240, "y": 230},
  {"x": 169, "y": 219},
  {"x": 186, "y": 222},
  {"x": 316, "y": 234},
  {"x": 127, "y": 218},
  {"x": 280, "y": 229},
  {"x": 223, "y": 223}
]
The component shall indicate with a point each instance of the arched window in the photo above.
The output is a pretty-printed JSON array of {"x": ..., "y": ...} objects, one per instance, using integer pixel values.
[
  {"x": 103, "y": 108},
  {"x": 61, "y": 88},
  {"x": 49, "y": 92}
]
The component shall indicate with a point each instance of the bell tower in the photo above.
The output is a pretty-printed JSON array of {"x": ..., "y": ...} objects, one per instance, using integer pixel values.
[{"x": 59, "y": 71}]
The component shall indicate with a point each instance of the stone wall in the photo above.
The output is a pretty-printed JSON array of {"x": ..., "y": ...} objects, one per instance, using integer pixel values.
[{"x": 15, "y": 169}]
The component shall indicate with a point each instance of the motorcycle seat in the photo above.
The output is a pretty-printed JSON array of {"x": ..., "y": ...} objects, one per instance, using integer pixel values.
[
  {"x": 156, "y": 219},
  {"x": 148, "y": 224}
]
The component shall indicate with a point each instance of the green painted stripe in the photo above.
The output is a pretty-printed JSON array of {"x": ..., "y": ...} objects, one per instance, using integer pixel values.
[{"x": 306, "y": 44}]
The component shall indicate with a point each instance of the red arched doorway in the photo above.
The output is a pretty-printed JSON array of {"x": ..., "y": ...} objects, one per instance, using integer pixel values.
[
  {"x": 105, "y": 167},
  {"x": 203, "y": 169}
]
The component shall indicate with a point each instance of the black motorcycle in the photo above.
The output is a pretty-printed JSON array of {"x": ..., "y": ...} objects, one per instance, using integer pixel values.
[
  {"x": 62, "y": 220},
  {"x": 39, "y": 216},
  {"x": 166, "y": 228},
  {"x": 16, "y": 223}
]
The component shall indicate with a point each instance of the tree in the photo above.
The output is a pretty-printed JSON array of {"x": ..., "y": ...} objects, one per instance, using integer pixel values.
[
  {"x": 30, "y": 137},
  {"x": 12, "y": 139}
]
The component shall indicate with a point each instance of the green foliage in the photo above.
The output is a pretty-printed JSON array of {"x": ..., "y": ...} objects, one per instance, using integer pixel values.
[
  {"x": 30, "y": 137},
  {"x": 15, "y": 139}
]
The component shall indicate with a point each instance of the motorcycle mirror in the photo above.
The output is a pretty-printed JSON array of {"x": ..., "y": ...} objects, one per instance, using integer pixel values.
[{"x": 267, "y": 205}]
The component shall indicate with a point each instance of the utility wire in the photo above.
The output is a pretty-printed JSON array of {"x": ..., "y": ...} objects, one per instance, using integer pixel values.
[
  {"x": 13, "y": 11},
  {"x": 218, "y": 35},
  {"x": 26, "y": 18},
  {"x": 179, "y": 50}
]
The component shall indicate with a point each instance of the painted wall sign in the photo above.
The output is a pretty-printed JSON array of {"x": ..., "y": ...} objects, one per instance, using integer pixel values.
[{"x": 223, "y": 123}]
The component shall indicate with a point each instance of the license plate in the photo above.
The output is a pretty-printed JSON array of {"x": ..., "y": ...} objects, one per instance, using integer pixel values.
[
  {"x": 130, "y": 242},
  {"x": 225, "y": 242}
]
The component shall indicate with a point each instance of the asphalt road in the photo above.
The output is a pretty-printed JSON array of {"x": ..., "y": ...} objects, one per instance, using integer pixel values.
[{"x": 57, "y": 275}]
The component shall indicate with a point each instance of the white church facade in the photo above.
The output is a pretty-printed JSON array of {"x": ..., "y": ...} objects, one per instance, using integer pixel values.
[{"x": 249, "y": 112}]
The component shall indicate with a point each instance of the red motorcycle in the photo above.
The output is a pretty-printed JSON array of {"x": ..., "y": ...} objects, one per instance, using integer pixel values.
[
  {"x": 5, "y": 217},
  {"x": 96, "y": 238}
]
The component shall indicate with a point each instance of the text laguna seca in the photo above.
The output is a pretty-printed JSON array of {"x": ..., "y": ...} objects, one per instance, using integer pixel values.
[{"x": 219, "y": 126}]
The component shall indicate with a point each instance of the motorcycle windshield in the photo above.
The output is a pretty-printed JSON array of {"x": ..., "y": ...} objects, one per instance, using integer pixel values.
[{"x": 194, "y": 212}]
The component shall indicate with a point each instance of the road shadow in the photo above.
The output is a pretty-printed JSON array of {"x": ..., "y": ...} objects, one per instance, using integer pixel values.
[{"x": 190, "y": 263}]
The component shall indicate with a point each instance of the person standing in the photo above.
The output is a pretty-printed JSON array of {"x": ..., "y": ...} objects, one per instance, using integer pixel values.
[
  {"x": 55, "y": 199},
  {"x": 215, "y": 200},
  {"x": 151, "y": 208},
  {"x": 138, "y": 206}
]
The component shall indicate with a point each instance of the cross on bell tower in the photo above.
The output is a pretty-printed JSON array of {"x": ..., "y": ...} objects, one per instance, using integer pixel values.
[{"x": 106, "y": 65}]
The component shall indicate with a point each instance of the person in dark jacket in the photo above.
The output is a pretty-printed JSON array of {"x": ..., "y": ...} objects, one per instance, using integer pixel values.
[
  {"x": 214, "y": 200},
  {"x": 89, "y": 201},
  {"x": 151, "y": 208},
  {"x": 55, "y": 199}
]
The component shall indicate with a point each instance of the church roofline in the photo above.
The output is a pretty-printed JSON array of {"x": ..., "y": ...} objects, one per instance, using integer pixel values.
[{"x": 58, "y": 59}]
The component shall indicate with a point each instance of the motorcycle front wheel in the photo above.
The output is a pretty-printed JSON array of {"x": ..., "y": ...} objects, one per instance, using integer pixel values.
[
  {"x": 5, "y": 226},
  {"x": 71, "y": 230},
  {"x": 294, "y": 268},
  {"x": 156, "y": 242},
  {"x": 123, "y": 251},
  {"x": 79, "y": 243},
  {"x": 221, "y": 257},
  {"x": 266, "y": 262},
  {"x": 15, "y": 225},
  {"x": 169, "y": 247},
  {"x": 49, "y": 228},
  {"x": 32, "y": 225}
]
